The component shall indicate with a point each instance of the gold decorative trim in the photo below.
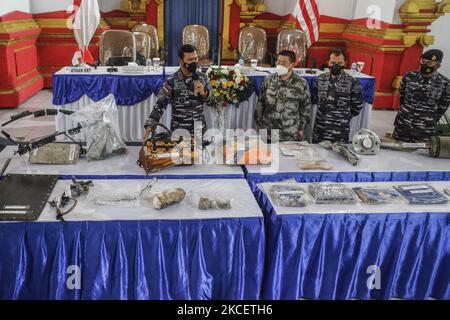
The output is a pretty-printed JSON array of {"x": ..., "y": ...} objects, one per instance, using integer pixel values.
[
  {"x": 250, "y": 9},
  {"x": 386, "y": 34},
  {"x": 17, "y": 26},
  {"x": 384, "y": 48},
  {"x": 47, "y": 74},
  {"x": 227, "y": 54},
  {"x": 57, "y": 44},
  {"x": 383, "y": 94},
  {"x": 134, "y": 7},
  {"x": 397, "y": 82},
  {"x": 18, "y": 40},
  {"x": 62, "y": 23},
  {"x": 118, "y": 21},
  {"x": 271, "y": 24},
  {"x": 52, "y": 23},
  {"x": 160, "y": 26},
  {"x": 332, "y": 27},
  {"x": 23, "y": 48},
  {"x": 26, "y": 74}
]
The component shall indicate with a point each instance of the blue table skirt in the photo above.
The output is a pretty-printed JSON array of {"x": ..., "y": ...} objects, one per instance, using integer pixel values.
[
  {"x": 201, "y": 259},
  {"x": 149, "y": 177},
  {"x": 321, "y": 256},
  {"x": 309, "y": 177},
  {"x": 131, "y": 90}
]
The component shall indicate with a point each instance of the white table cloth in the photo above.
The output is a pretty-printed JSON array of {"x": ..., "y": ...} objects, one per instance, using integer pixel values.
[
  {"x": 120, "y": 165},
  {"x": 364, "y": 208},
  {"x": 243, "y": 204}
]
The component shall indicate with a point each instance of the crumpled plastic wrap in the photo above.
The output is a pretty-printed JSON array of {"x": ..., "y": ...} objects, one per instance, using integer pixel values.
[
  {"x": 379, "y": 195},
  {"x": 447, "y": 191},
  {"x": 109, "y": 196},
  {"x": 294, "y": 148},
  {"x": 101, "y": 126},
  {"x": 209, "y": 201},
  {"x": 421, "y": 194},
  {"x": 344, "y": 151},
  {"x": 290, "y": 195},
  {"x": 332, "y": 193},
  {"x": 308, "y": 158},
  {"x": 168, "y": 198}
]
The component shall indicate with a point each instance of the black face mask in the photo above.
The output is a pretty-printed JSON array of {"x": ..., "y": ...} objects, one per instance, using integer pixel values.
[
  {"x": 336, "y": 69},
  {"x": 427, "y": 69},
  {"x": 192, "y": 67}
]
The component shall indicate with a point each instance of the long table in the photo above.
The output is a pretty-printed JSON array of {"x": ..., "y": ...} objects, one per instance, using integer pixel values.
[
  {"x": 137, "y": 252},
  {"x": 117, "y": 167},
  {"x": 357, "y": 251},
  {"x": 319, "y": 252},
  {"x": 135, "y": 95},
  {"x": 387, "y": 165}
]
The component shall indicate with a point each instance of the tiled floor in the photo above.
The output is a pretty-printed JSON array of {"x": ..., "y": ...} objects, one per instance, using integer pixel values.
[
  {"x": 31, "y": 127},
  {"x": 382, "y": 121}
]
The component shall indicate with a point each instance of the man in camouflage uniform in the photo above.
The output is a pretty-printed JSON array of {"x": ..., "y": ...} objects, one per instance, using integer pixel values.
[
  {"x": 186, "y": 91},
  {"x": 424, "y": 99},
  {"x": 285, "y": 101},
  {"x": 339, "y": 97}
]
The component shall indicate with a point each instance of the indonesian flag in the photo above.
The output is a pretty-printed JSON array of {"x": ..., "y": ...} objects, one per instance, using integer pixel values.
[
  {"x": 77, "y": 58},
  {"x": 87, "y": 19},
  {"x": 305, "y": 13}
]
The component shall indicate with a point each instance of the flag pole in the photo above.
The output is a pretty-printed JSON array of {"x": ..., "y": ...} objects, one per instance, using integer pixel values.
[{"x": 219, "y": 50}]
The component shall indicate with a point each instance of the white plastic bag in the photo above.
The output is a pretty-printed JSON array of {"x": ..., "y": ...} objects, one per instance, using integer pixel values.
[
  {"x": 108, "y": 196},
  {"x": 379, "y": 195},
  {"x": 290, "y": 195},
  {"x": 100, "y": 123},
  {"x": 209, "y": 201},
  {"x": 332, "y": 193}
]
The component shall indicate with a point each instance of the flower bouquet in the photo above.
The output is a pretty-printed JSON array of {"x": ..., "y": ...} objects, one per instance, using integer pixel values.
[{"x": 229, "y": 86}]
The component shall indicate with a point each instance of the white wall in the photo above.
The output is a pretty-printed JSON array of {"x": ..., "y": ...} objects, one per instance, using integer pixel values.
[
  {"x": 40, "y": 6},
  {"x": 109, "y": 5},
  {"x": 397, "y": 19},
  {"x": 334, "y": 8},
  {"x": 280, "y": 7},
  {"x": 7, "y": 6},
  {"x": 343, "y": 9},
  {"x": 440, "y": 29}
]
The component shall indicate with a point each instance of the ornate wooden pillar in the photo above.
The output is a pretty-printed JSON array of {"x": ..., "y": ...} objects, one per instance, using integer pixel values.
[
  {"x": 417, "y": 16},
  {"x": 146, "y": 11},
  {"x": 230, "y": 29},
  {"x": 19, "y": 72}
]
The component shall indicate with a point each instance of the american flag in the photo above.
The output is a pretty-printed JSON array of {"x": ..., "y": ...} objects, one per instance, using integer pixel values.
[{"x": 307, "y": 15}]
